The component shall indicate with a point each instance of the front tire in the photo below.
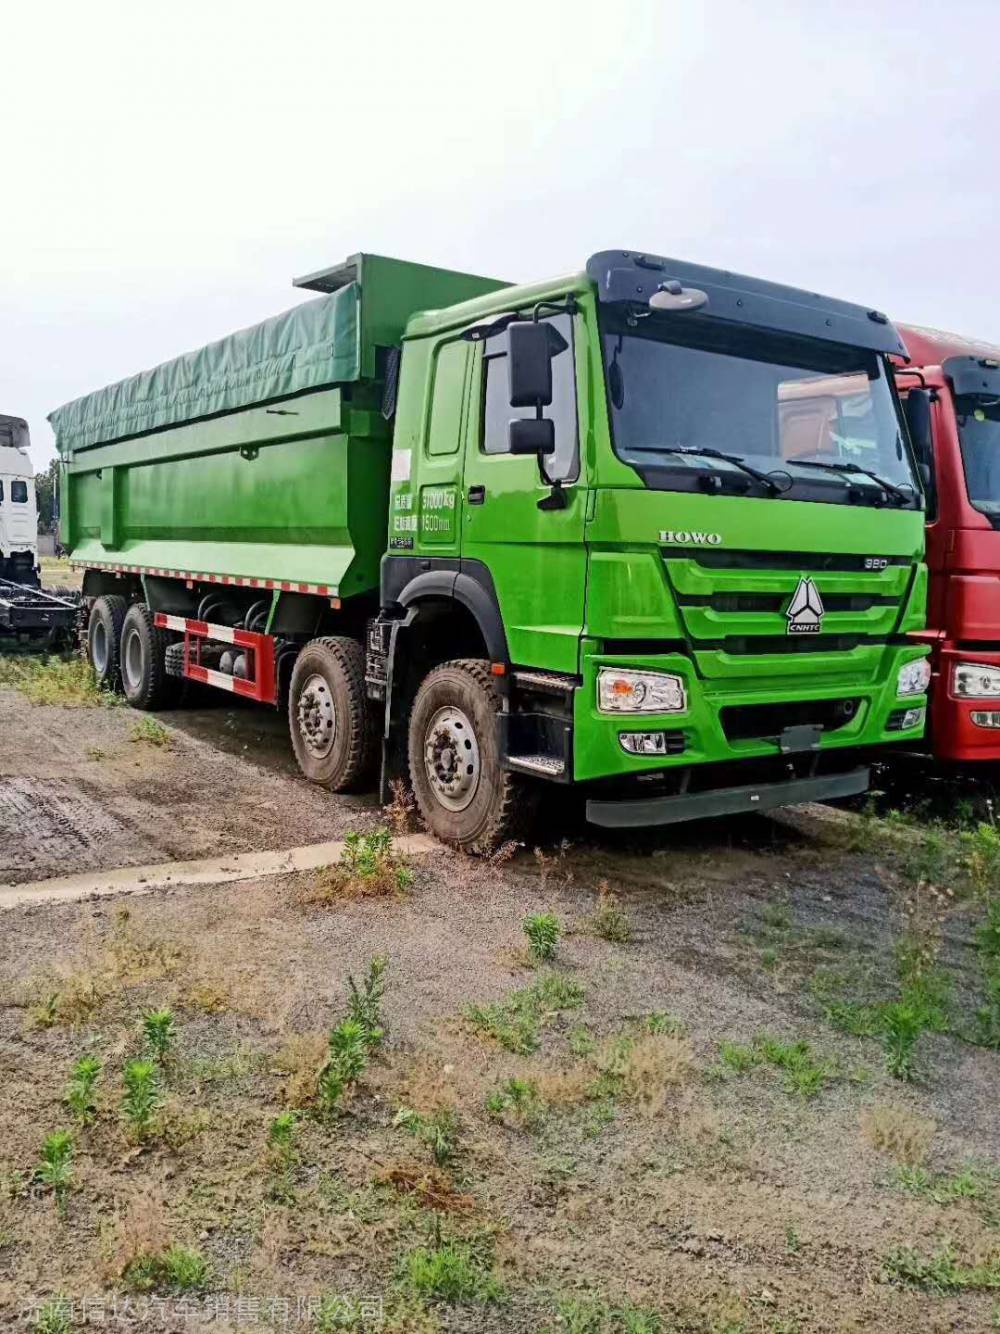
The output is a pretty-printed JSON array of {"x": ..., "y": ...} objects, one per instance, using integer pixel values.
[
  {"x": 104, "y": 633},
  {"x": 143, "y": 661},
  {"x": 332, "y": 727},
  {"x": 465, "y": 795}
]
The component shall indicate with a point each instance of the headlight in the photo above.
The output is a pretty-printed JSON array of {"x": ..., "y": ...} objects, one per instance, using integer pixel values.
[
  {"x": 975, "y": 681},
  {"x": 639, "y": 692},
  {"x": 914, "y": 677}
]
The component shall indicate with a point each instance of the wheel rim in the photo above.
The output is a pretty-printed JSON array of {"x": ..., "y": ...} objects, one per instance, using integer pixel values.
[
  {"x": 451, "y": 758},
  {"x": 132, "y": 660},
  {"x": 317, "y": 718},
  {"x": 99, "y": 648}
]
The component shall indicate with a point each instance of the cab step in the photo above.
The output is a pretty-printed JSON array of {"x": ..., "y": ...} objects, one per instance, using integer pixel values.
[{"x": 548, "y": 766}]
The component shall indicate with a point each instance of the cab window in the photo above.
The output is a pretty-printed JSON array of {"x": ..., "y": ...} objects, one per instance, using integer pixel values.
[{"x": 19, "y": 492}]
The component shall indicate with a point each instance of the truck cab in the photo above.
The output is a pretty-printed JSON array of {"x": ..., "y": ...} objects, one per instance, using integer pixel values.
[
  {"x": 951, "y": 395},
  {"x": 683, "y": 520},
  {"x": 18, "y": 514}
]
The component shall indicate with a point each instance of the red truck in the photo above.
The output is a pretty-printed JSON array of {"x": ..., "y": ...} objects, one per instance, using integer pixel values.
[{"x": 951, "y": 395}]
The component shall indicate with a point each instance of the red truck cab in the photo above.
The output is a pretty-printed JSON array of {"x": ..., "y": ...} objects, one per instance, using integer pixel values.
[{"x": 951, "y": 392}]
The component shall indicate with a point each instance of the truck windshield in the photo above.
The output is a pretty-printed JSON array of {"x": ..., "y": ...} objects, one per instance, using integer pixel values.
[
  {"x": 979, "y": 435},
  {"x": 820, "y": 419}
]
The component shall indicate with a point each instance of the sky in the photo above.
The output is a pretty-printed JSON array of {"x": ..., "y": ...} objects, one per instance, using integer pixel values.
[{"x": 168, "y": 168}]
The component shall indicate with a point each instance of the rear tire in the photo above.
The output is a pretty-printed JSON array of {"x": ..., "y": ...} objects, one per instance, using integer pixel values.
[
  {"x": 465, "y": 795},
  {"x": 142, "y": 657},
  {"x": 331, "y": 725},
  {"x": 104, "y": 634}
]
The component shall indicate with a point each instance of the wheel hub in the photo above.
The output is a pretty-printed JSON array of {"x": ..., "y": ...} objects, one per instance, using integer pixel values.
[
  {"x": 451, "y": 758},
  {"x": 317, "y": 718},
  {"x": 132, "y": 659},
  {"x": 99, "y": 648}
]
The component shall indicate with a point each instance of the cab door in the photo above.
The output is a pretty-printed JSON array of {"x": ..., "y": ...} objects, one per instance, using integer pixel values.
[{"x": 535, "y": 557}]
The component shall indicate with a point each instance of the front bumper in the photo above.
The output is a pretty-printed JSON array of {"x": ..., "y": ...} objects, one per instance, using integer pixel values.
[
  {"x": 645, "y": 812},
  {"x": 699, "y": 735}
]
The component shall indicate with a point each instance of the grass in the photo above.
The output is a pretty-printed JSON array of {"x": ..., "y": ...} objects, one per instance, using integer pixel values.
[
  {"x": 804, "y": 1074},
  {"x": 516, "y": 1022},
  {"x": 67, "y": 682},
  {"x": 148, "y": 732},
  {"x": 452, "y": 1271},
  {"x": 543, "y": 932},
  {"x": 177, "y": 1269},
  {"x": 518, "y": 1101},
  {"x": 54, "y": 1317},
  {"x": 439, "y": 1131},
  {"x": 898, "y": 1131},
  {"x": 369, "y": 867},
  {"x": 941, "y": 1272},
  {"x": 592, "y": 1315},
  {"x": 941, "y": 1188}
]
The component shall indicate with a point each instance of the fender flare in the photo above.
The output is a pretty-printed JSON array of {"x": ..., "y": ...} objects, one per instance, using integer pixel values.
[{"x": 472, "y": 587}]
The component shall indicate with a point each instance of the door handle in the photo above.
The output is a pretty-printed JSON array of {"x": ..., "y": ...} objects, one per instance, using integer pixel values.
[{"x": 477, "y": 494}]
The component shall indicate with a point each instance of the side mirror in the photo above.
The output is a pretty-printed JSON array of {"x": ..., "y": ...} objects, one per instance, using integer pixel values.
[
  {"x": 532, "y": 435},
  {"x": 531, "y": 346},
  {"x": 917, "y": 409}
]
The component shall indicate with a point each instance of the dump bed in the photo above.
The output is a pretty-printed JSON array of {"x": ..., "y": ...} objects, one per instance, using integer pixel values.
[{"x": 261, "y": 457}]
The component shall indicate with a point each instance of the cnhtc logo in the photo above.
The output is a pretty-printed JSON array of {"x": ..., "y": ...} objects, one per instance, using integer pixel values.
[{"x": 805, "y": 611}]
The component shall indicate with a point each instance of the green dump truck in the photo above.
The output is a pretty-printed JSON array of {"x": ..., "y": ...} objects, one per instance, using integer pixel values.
[{"x": 651, "y": 528}]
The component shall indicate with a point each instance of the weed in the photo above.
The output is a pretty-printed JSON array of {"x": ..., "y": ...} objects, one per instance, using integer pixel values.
[
  {"x": 987, "y": 939},
  {"x": 55, "y": 1166},
  {"x": 981, "y": 858},
  {"x": 581, "y": 1041},
  {"x": 642, "y": 1069},
  {"x": 793, "y": 1242},
  {"x": 141, "y": 1100},
  {"x": 364, "y": 1003},
  {"x": 401, "y": 811},
  {"x": 516, "y": 1021},
  {"x": 940, "y": 1188},
  {"x": 54, "y": 1317},
  {"x": 281, "y": 1135},
  {"x": 346, "y": 1062},
  {"x": 518, "y": 1100},
  {"x": 903, "y": 1025},
  {"x": 804, "y": 1074},
  {"x": 452, "y": 1271},
  {"x": 610, "y": 920},
  {"x": 941, "y": 1272},
  {"x": 149, "y": 732},
  {"x": 177, "y": 1269},
  {"x": 543, "y": 932},
  {"x": 738, "y": 1058},
  {"x": 79, "y": 1095},
  {"x": 160, "y": 1033},
  {"x": 438, "y": 1130},
  {"x": 369, "y": 867},
  {"x": 69, "y": 682}
]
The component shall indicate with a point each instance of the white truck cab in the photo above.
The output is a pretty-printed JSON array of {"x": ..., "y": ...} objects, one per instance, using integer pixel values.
[{"x": 18, "y": 511}]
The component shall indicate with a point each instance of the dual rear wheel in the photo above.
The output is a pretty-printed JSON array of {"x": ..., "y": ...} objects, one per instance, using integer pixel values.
[{"x": 127, "y": 652}]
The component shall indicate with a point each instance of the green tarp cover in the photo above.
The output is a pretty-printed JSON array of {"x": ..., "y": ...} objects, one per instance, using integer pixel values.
[{"x": 309, "y": 347}]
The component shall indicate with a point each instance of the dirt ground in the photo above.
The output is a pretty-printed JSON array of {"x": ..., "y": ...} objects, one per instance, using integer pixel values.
[{"x": 650, "y": 1168}]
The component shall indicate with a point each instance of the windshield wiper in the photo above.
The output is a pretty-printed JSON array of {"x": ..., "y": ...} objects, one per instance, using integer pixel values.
[
  {"x": 765, "y": 478},
  {"x": 890, "y": 488}
]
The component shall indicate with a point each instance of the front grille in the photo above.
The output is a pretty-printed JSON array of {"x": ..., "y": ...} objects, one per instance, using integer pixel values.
[
  {"x": 745, "y": 722},
  {"x": 779, "y": 601},
  {"x": 746, "y": 645},
  {"x": 816, "y": 561}
]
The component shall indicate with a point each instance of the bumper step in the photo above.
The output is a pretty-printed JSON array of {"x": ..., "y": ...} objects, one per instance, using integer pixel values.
[{"x": 650, "y": 811}]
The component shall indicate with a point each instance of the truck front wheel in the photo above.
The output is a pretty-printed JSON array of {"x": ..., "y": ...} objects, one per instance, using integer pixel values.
[
  {"x": 332, "y": 728},
  {"x": 104, "y": 633},
  {"x": 465, "y": 795}
]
